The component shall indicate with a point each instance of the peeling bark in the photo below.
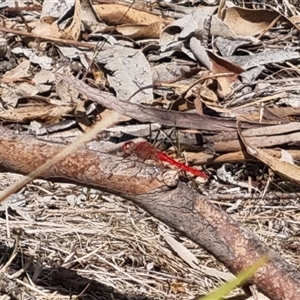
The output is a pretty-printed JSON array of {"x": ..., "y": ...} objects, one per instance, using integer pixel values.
[{"x": 161, "y": 195}]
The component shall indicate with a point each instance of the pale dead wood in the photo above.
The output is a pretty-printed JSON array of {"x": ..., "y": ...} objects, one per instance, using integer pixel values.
[
  {"x": 175, "y": 204},
  {"x": 266, "y": 136}
]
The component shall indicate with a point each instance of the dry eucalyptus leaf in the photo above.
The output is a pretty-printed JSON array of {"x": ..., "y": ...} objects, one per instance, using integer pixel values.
[
  {"x": 263, "y": 58},
  {"x": 26, "y": 89},
  {"x": 166, "y": 71},
  {"x": 45, "y": 29},
  {"x": 221, "y": 65},
  {"x": 151, "y": 31},
  {"x": 56, "y": 9},
  {"x": 11, "y": 95},
  {"x": 72, "y": 32},
  {"x": 249, "y": 22},
  {"x": 209, "y": 97},
  {"x": 129, "y": 71},
  {"x": 8, "y": 95},
  {"x": 73, "y": 53},
  {"x": 44, "y": 62},
  {"x": 67, "y": 93},
  {"x": 44, "y": 76},
  {"x": 220, "y": 29},
  {"x": 21, "y": 71},
  {"x": 191, "y": 259},
  {"x": 182, "y": 29},
  {"x": 228, "y": 46},
  {"x": 200, "y": 53},
  {"x": 89, "y": 17},
  {"x": 46, "y": 114},
  {"x": 260, "y": 297},
  {"x": 224, "y": 83},
  {"x": 182, "y": 251},
  {"x": 115, "y": 14}
]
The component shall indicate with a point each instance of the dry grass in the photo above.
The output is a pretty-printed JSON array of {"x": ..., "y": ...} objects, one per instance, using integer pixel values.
[
  {"x": 76, "y": 241},
  {"x": 102, "y": 238}
]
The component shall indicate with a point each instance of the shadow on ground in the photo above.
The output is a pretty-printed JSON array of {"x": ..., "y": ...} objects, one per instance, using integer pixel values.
[{"x": 60, "y": 280}]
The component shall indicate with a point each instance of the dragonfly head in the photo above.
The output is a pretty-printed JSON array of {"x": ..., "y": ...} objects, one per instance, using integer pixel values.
[{"x": 128, "y": 147}]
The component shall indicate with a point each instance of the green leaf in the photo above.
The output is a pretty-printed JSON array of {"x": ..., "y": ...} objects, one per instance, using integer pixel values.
[{"x": 222, "y": 291}]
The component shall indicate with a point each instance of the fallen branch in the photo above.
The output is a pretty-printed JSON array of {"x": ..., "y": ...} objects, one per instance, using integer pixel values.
[
  {"x": 150, "y": 114},
  {"x": 165, "y": 198}
]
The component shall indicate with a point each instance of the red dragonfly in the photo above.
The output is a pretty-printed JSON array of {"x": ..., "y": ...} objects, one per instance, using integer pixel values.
[{"x": 145, "y": 151}]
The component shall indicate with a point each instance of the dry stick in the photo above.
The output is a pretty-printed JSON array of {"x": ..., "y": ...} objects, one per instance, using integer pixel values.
[
  {"x": 150, "y": 114},
  {"x": 179, "y": 206},
  {"x": 48, "y": 38},
  {"x": 13, "y": 188}
]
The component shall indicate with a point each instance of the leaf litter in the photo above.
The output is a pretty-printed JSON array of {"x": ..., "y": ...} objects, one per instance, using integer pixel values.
[{"x": 83, "y": 242}]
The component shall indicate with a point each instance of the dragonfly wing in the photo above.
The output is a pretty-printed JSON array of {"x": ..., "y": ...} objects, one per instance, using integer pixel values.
[{"x": 144, "y": 150}]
